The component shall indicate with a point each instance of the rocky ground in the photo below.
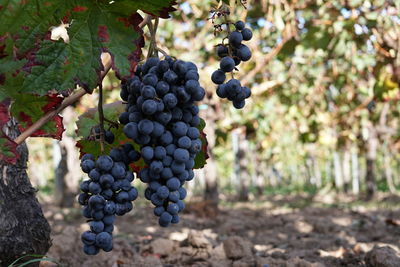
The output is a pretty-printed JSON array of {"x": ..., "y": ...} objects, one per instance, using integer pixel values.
[{"x": 278, "y": 231}]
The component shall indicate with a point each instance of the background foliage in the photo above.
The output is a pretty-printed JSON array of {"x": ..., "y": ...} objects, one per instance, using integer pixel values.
[{"x": 325, "y": 85}]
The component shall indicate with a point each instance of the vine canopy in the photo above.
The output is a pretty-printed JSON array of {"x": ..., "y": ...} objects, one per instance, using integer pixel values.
[{"x": 39, "y": 69}]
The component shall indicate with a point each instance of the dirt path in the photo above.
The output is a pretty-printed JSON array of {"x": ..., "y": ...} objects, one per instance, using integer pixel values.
[{"x": 275, "y": 232}]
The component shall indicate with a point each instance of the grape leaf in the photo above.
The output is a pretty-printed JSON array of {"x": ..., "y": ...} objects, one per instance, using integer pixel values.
[
  {"x": 8, "y": 148},
  {"x": 93, "y": 146},
  {"x": 90, "y": 119},
  {"x": 29, "y": 108},
  {"x": 93, "y": 27}
]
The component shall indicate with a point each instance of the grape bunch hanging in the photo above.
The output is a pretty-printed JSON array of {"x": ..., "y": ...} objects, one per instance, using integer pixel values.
[
  {"x": 162, "y": 118},
  {"x": 232, "y": 54},
  {"x": 108, "y": 192}
]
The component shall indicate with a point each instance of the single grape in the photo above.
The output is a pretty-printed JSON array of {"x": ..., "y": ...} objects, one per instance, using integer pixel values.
[
  {"x": 148, "y": 92},
  {"x": 235, "y": 38},
  {"x": 227, "y": 64},
  {"x": 88, "y": 238},
  {"x": 96, "y": 226},
  {"x": 244, "y": 52},
  {"x": 218, "y": 77},
  {"x": 181, "y": 155},
  {"x": 239, "y": 104},
  {"x": 173, "y": 209},
  {"x": 87, "y": 165},
  {"x": 150, "y": 79},
  {"x": 247, "y": 34},
  {"x": 90, "y": 249},
  {"x": 165, "y": 219},
  {"x": 109, "y": 137},
  {"x": 222, "y": 51},
  {"x": 149, "y": 107},
  {"x": 239, "y": 25},
  {"x": 170, "y": 100},
  {"x": 145, "y": 126}
]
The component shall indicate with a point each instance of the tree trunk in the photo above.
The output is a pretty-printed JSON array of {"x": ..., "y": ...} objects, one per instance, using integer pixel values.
[
  {"x": 338, "y": 171},
  {"x": 355, "y": 173},
  {"x": 23, "y": 228},
  {"x": 310, "y": 174},
  {"x": 244, "y": 176},
  {"x": 317, "y": 172},
  {"x": 60, "y": 188},
  {"x": 328, "y": 171},
  {"x": 388, "y": 169},
  {"x": 67, "y": 175},
  {"x": 372, "y": 145},
  {"x": 259, "y": 169},
  {"x": 235, "y": 177},
  {"x": 346, "y": 169},
  {"x": 210, "y": 169}
]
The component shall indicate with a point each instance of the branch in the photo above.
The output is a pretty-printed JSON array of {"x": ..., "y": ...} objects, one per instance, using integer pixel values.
[{"x": 106, "y": 61}]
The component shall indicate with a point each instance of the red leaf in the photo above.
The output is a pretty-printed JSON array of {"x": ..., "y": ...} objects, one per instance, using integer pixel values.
[
  {"x": 79, "y": 9},
  {"x": 103, "y": 34},
  {"x": 4, "y": 113},
  {"x": 8, "y": 148}
]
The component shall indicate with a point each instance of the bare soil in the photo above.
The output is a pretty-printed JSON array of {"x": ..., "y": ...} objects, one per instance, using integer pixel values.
[{"x": 276, "y": 231}]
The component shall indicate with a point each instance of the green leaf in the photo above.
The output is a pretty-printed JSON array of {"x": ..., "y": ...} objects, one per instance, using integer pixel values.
[
  {"x": 7, "y": 70},
  {"x": 8, "y": 149},
  {"x": 90, "y": 119}
]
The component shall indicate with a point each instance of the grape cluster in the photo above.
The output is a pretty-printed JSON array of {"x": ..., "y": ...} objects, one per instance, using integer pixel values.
[
  {"x": 232, "y": 55},
  {"x": 108, "y": 135},
  {"x": 108, "y": 192},
  {"x": 162, "y": 117}
]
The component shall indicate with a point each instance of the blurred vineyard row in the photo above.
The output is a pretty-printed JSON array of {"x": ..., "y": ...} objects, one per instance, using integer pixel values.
[{"x": 325, "y": 112}]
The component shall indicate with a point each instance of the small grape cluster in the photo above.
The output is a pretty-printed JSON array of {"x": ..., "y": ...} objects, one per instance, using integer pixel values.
[
  {"x": 108, "y": 192},
  {"x": 108, "y": 135},
  {"x": 162, "y": 117},
  {"x": 232, "y": 55}
]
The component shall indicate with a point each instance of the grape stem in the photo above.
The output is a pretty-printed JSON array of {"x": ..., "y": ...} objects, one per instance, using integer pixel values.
[
  {"x": 153, "y": 48},
  {"x": 106, "y": 61},
  {"x": 101, "y": 117},
  {"x": 113, "y": 123},
  {"x": 228, "y": 29}
]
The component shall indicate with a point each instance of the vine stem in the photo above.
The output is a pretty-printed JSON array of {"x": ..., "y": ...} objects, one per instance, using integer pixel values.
[
  {"x": 153, "y": 49},
  {"x": 228, "y": 29},
  {"x": 106, "y": 61},
  {"x": 101, "y": 117}
]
